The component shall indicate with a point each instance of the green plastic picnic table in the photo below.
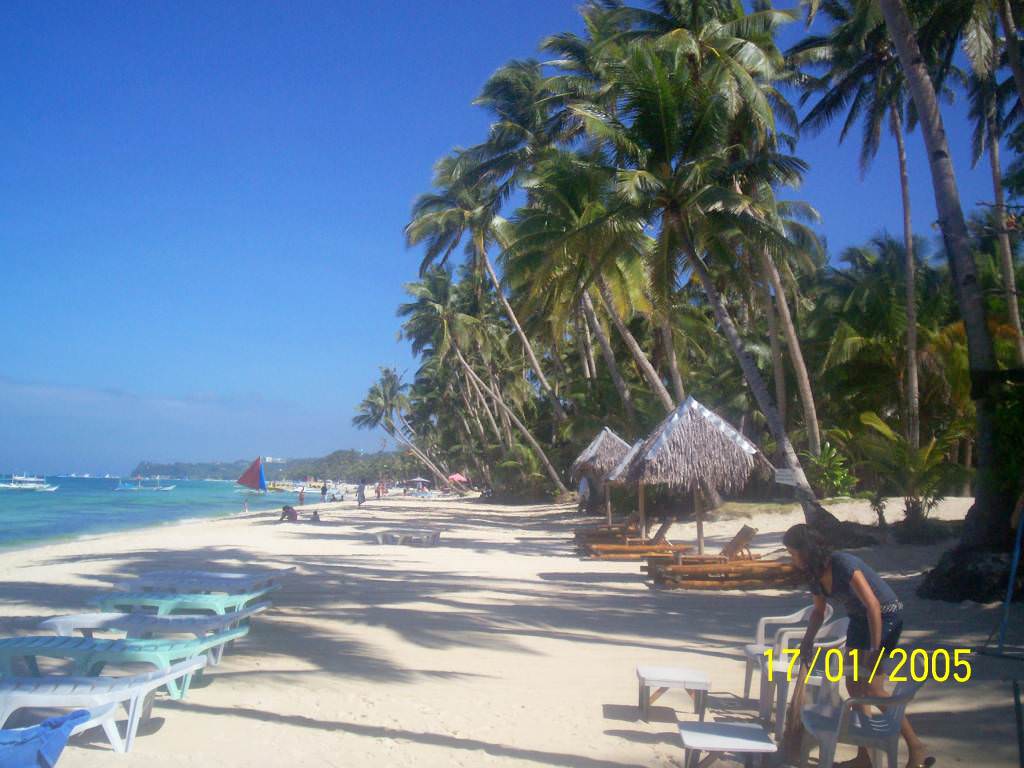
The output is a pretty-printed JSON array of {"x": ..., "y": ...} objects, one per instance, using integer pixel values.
[
  {"x": 90, "y": 655},
  {"x": 167, "y": 603}
]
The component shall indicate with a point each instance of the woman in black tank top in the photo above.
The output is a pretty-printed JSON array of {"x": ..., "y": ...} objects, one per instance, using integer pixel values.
[{"x": 876, "y": 620}]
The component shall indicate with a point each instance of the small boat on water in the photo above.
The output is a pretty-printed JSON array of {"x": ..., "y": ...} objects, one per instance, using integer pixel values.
[
  {"x": 123, "y": 486},
  {"x": 28, "y": 483},
  {"x": 253, "y": 480}
]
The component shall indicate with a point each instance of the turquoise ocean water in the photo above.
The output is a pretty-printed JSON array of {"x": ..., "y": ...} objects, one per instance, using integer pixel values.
[{"x": 91, "y": 505}]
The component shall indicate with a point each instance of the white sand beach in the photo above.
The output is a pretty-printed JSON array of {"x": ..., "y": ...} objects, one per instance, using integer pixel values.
[{"x": 498, "y": 647}]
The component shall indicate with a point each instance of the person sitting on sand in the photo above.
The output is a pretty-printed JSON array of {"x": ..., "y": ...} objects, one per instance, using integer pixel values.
[
  {"x": 288, "y": 513},
  {"x": 876, "y": 621},
  {"x": 315, "y": 517}
]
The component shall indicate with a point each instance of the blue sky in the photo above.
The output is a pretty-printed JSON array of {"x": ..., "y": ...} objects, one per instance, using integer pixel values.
[{"x": 202, "y": 210}]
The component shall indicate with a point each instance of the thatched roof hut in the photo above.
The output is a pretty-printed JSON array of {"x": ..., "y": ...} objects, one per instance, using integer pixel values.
[
  {"x": 601, "y": 456},
  {"x": 618, "y": 474},
  {"x": 694, "y": 450}
]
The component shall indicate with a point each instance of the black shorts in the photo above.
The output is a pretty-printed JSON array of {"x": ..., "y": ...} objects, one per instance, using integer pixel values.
[{"x": 858, "y": 634}]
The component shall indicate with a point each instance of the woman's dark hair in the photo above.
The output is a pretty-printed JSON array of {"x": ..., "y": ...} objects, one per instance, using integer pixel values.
[{"x": 808, "y": 543}]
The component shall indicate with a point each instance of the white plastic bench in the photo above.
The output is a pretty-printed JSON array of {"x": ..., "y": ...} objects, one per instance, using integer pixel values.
[
  {"x": 695, "y": 682},
  {"x": 717, "y": 739},
  {"x": 409, "y": 537}
]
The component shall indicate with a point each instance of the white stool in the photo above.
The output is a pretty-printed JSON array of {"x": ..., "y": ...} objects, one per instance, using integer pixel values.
[
  {"x": 693, "y": 681},
  {"x": 717, "y": 739}
]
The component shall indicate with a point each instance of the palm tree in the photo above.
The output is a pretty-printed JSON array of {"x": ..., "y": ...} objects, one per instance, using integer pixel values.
[
  {"x": 988, "y": 526},
  {"x": 382, "y": 405},
  {"x": 862, "y": 75},
  {"x": 433, "y": 320},
  {"x": 567, "y": 233},
  {"x": 987, "y": 111},
  {"x": 462, "y": 208},
  {"x": 677, "y": 109}
]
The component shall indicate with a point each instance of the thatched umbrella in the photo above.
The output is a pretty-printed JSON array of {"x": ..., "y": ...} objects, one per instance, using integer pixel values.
[
  {"x": 693, "y": 449},
  {"x": 599, "y": 458}
]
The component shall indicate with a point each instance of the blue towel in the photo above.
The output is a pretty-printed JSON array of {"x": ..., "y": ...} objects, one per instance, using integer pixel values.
[{"x": 40, "y": 745}]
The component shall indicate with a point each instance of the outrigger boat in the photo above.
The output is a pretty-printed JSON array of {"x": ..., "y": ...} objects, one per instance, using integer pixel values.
[{"x": 28, "y": 483}]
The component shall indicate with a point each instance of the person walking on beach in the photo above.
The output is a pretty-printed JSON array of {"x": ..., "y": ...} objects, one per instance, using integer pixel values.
[
  {"x": 302, "y": 495},
  {"x": 361, "y": 493},
  {"x": 876, "y": 621},
  {"x": 323, "y": 492}
]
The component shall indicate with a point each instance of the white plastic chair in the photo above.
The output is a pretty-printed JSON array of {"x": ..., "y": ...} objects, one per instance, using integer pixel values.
[
  {"x": 831, "y": 635},
  {"x": 879, "y": 732},
  {"x": 754, "y": 651}
]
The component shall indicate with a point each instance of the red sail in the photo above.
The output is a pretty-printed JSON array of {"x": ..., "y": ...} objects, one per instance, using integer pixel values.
[{"x": 253, "y": 476}]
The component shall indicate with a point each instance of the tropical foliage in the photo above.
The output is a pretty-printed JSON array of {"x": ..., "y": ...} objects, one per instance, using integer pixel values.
[{"x": 627, "y": 234}]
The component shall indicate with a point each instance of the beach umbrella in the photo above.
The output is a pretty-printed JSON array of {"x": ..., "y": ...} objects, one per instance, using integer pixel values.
[
  {"x": 599, "y": 458},
  {"x": 418, "y": 480},
  {"x": 457, "y": 477},
  {"x": 695, "y": 450}
]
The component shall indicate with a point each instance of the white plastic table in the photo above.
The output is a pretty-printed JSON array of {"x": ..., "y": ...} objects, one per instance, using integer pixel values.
[
  {"x": 717, "y": 739},
  {"x": 695, "y": 682}
]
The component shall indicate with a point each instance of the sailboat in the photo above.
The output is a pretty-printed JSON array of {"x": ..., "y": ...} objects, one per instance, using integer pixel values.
[{"x": 253, "y": 477}]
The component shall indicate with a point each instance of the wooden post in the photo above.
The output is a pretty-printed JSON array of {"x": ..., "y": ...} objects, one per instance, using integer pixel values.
[
  {"x": 698, "y": 511},
  {"x": 643, "y": 514},
  {"x": 608, "y": 503}
]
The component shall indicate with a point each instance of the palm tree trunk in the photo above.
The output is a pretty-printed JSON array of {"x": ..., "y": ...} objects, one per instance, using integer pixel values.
[
  {"x": 581, "y": 348},
  {"x": 527, "y": 346},
  {"x": 796, "y": 357},
  {"x": 397, "y": 436},
  {"x": 1005, "y": 250},
  {"x": 486, "y": 409},
  {"x": 649, "y": 374},
  {"x": 609, "y": 358},
  {"x": 778, "y": 369},
  {"x": 588, "y": 342},
  {"x": 913, "y": 395},
  {"x": 505, "y": 422},
  {"x": 988, "y": 524},
  {"x": 668, "y": 342},
  {"x": 515, "y": 420},
  {"x": 1005, "y": 11},
  {"x": 813, "y": 512}
]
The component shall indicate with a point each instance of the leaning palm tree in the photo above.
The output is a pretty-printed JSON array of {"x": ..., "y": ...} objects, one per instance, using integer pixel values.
[
  {"x": 568, "y": 238},
  {"x": 461, "y": 207},
  {"x": 861, "y": 75},
  {"x": 432, "y": 320},
  {"x": 989, "y": 525},
  {"x": 382, "y": 408}
]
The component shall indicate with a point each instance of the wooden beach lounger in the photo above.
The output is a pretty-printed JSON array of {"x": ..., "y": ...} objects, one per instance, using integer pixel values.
[
  {"x": 89, "y": 655},
  {"x": 167, "y": 603},
  {"x": 100, "y": 695}
]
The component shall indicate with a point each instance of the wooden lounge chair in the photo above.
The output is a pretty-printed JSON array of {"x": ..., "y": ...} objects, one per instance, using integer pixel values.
[
  {"x": 639, "y": 549},
  {"x": 100, "y": 695},
  {"x": 89, "y": 656}
]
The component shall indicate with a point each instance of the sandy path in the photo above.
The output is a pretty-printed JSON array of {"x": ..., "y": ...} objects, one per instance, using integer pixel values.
[{"x": 497, "y": 648}]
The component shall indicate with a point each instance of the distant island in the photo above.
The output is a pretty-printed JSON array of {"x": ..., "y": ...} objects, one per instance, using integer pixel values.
[{"x": 348, "y": 466}]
